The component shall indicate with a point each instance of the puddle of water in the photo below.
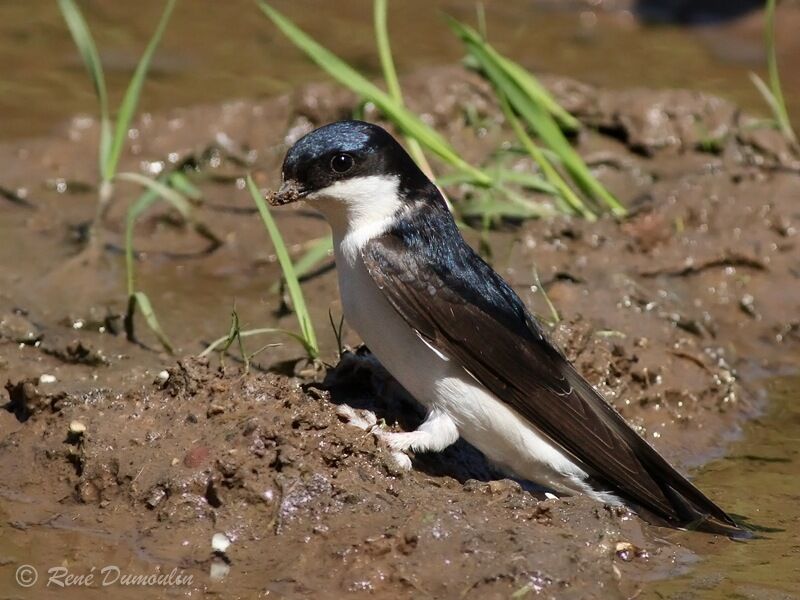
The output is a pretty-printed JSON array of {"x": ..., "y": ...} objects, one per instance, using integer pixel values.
[
  {"x": 200, "y": 61},
  {"x": 758, "y": 478},
  {"x": 56, "y": 559}
]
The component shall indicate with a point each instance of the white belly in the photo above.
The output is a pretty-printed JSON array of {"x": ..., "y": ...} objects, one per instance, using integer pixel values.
[{"x": 436, "y": 382}]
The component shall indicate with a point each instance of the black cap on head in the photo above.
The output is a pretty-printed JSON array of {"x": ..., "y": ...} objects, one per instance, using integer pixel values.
[{"x": 344, "y": 150}]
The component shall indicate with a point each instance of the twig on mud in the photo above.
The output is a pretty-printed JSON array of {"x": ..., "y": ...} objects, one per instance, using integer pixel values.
[
  {"x": 15, "y": 198},
  {"x": 731, "y": 259},
  {"x": 691, "y": 358}
]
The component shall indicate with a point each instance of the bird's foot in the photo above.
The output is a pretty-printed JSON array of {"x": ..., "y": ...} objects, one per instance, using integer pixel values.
[
  {"x": 397, "y": 444},
  {"x": 363, "y": 419}
]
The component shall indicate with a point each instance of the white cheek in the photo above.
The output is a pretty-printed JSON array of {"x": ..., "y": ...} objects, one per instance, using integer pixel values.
[{"x": 359, "y": 209}]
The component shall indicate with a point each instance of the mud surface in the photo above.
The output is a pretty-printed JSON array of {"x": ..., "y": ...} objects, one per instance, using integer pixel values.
[{"x": 112, "y": 450}]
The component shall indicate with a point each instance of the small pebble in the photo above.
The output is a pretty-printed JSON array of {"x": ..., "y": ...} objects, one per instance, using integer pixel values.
[
  {"x": 163, "y": 376},
  {"x": 77, "y": 428},
  {"x": 219, "y": 570},
  {"x": 46, "y": 378},
  {"x": 220, "y": 542},
  {"x": 196, "y": 457},
  {"x": 625, "y": 551}
]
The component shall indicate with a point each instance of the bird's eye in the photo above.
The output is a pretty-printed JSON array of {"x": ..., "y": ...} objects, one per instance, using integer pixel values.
[{"x": 342, "y": 163}]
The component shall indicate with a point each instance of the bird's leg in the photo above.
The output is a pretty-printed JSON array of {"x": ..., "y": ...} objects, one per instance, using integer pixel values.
[
  {"x": 364, "y": 419},
  {"x": 436, "y": 433}
]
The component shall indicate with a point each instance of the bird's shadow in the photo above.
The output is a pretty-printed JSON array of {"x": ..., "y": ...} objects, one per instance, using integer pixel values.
[{"x": 360, "y": 382}]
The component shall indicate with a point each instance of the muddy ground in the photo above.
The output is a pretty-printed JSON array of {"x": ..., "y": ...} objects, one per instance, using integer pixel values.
[{"x": 115, "y": 449}]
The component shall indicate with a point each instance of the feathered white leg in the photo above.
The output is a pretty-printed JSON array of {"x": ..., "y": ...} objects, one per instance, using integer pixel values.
[{"x": 436, "y": 433}]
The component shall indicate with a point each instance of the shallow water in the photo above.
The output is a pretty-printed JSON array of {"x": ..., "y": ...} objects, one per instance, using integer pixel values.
[
  {"x": 758, "y": 478},
  {"x": 201, "y": 60}
]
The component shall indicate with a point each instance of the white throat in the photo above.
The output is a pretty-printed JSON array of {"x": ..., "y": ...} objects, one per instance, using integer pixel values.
[{"x": 358, "y": 210}]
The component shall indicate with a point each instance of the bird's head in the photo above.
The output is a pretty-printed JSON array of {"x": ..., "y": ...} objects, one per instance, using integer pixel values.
[{"x": 350, "y": 170}]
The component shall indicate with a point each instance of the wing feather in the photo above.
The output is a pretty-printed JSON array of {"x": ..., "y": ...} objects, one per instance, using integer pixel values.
[{"x": 465, "y": 311}]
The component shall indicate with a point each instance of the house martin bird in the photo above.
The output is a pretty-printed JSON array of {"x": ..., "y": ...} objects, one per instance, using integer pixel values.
[{"x": 458, "y": 338}]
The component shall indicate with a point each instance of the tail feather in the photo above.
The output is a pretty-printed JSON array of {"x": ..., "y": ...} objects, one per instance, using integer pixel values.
[
  {"x": 707, "y": 517},
  {"x": 692, "y": 509}
]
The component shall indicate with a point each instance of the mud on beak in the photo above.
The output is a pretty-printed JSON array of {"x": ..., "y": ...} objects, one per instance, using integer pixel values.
[{"x": 290, "y": 191}]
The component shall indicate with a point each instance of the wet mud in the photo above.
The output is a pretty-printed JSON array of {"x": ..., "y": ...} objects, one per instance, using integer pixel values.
[{"x": 114, "y": 449}]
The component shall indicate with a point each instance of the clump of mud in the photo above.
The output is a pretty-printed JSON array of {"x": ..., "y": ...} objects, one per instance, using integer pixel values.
[{"x": 311, "y": 504}]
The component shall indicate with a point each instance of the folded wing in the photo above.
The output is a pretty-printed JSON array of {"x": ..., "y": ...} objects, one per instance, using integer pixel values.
[{"x": 460, "y": 306}]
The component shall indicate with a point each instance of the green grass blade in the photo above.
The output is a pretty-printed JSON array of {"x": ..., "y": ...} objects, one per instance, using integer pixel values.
[
  {"x": 318, "y": 251},
  {"x": 779, "y": 107},
  {"x": 175, "y": 198},
  {"x": 84, "y": 41},
  {"x": 293, "y": 285},
  {"x": 181, "y": 182},
  {"x": 141, "y": 299},
  {"x": 155, "y": 190},
  {"x": 409, "y": 123},
  {"x": 516, "y": 207},
  {"x": 133, "y": 93},
  {"x": 380, "y": 12},
  {"x": 249, "y": 333},
  {"x": 538, "y": 208},
  {"x": 519, "y": 74},
  {"x": 769, "y": 99},
  {"x": 538, "y": 118},
  {"x": 530, "y": 181},
  {"x": 167, "y": 193},
  {"x": 553, "y": 177},
  {"x": 550, "y": 305}
]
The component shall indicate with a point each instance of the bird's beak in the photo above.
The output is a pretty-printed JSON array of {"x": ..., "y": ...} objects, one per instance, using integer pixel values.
[{"x": 290, "y": 191}]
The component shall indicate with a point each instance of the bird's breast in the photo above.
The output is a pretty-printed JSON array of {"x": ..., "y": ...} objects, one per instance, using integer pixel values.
[{"x": 383, "y": 330}]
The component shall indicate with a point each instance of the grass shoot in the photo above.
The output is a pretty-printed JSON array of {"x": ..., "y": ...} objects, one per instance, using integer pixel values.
[
  {"x": 112, "y": 133},
  {"x": 540, "y": 112},
  {"x": 773, "y": 93},
  {"x": 380, "y": 12},
  {"x": 236, "y": 334},
  {"x": 155, "y": 191},
  {"x": 409, "y": 123},
  {"x": 307, "y": 335},
  {"x": 493, "y": 192}
]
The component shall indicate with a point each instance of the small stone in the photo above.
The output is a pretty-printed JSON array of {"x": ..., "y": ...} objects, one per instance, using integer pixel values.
[
  {"x": 163, "y": 376},
  {"x": 219, "y": 570},
  {"x": 77, "y": 428},
  {"x": 215, "y": 409},
  {"x": 157, "y": 494},
  {"x": 47, "y": 378},
  {"x": 196, "y": 456},
  {"x": 625, "y": 551},
  {"x": 220, "y": 543}
]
